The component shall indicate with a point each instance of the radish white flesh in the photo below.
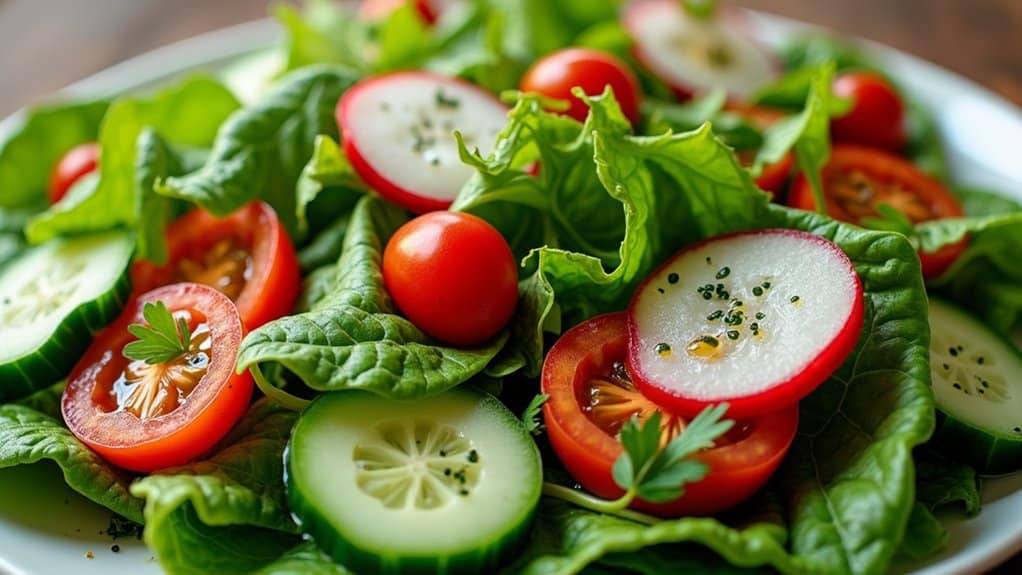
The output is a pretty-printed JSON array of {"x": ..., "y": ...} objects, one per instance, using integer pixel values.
[
  {"x": 756, "y": 319},
  {"x": 691, "y": 54},
  {"x": 398, "y": 132}
]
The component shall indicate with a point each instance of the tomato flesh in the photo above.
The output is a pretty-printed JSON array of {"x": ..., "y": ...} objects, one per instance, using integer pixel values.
[
  {"x": 75, "y": 163},
  {"x": 585, "y": 413},
  {"x": 857, "y": 179},
  {"x": 555, "y": 75},
  {"x": 247, "y": 255},
  {"x": 453, "y": 275},
  {"x": 145, "y": 417},
  {"x": 877, "y": 115}
]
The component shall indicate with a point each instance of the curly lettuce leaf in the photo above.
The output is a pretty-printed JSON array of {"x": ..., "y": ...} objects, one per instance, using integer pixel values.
[
  {"x": 226, "y": 514},
  {"x": 353, "y": 339},
  {"x": 260, "y": 151},
  {"x": 28, "y": 436},
  {"x": 186, "y": 114}
]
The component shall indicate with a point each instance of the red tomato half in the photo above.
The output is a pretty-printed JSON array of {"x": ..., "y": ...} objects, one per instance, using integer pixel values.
[
  {"x": 247, "y": 255},
  {"x": 75, "y": 163},
  {"x": 556, "y": 74},
  {"x": 453, "y": 275},
  {"x": 591, "y": 397},
  {"x": 145, "y": 417},
  {"x": 373, "y": 10},
  {"x": 877, "y": 116},
  {"x": 857, "y": 178},
  {"x": 774, "y": 176}
]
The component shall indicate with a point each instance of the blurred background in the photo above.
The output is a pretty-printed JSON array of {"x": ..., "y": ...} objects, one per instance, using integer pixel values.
[{"x": 47, "y": 44}]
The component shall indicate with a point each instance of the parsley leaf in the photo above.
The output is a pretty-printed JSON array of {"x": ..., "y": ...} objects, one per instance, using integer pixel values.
[
  {"x": 161, "y": 341},
  {"x": 658, "y": 475},
  {"x": 531, "y": 416}
]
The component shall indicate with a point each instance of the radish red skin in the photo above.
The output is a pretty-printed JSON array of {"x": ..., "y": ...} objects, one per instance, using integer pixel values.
[
  {"x": 781, "y": 394},
  {"x": 391, "y": 191}
]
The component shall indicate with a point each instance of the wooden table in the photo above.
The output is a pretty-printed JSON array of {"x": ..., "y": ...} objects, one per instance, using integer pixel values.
[{"x": 46, "y": 44}]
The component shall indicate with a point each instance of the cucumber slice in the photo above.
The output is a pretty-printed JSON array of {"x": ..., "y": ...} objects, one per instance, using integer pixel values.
[
  {"x": 53, "y": 299},
  {"x": 446, "y": 484},
  {"x": 977, "y": 381}
]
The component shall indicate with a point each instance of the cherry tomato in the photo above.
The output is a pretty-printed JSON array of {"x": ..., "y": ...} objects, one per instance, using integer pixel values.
[
  {"x": 453, "y": 275},
  {"x": 143, "y": 416},
  {"x": 591, "y": 397},
  {"x": 877, "y": 116},
  {"x": 774, "y": 176},
  {"x": 247, "y": 255},
  {"x": 75, "y": 163},
  {"x": 858, "y": 178},
  {"x": 555, "y": 75},
  {"x": 374, "y": 10}
]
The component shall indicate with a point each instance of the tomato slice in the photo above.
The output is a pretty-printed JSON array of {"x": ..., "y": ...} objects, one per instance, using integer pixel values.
[
  {"x": 858, "y": 178},
  {"x": 247, "y": 255},
  {"x": 774, "y": 176},
  {"x": 144, "y": 417},
  {"x": 591, "y": 397}
]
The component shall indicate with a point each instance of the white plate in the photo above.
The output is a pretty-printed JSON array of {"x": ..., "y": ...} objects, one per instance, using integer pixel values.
[{"x": 46, "y": 528}]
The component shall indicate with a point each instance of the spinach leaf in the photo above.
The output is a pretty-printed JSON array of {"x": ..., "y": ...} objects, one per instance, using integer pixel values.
[
  {"x": 35, "y": 143},
  {"x": 327, "y": 171},
  {"x": 186, "y": 114},
  {"x": 46, "y": 401},
  {"x": 229, "y": 513},
  {"x": 260, "y": 151},
  {"x": 156, "y": 159},
  {"x": 305, "y": 559},
  {"x": 352, "y": 339},
  {"x": 986, "y": 203},
  {"x": 28, "y": 436}
]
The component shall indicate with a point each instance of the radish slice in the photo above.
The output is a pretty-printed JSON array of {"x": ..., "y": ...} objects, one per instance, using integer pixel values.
[
  {"x": 755, "y": 319},
  {"x": 398, "y": 132},
  {"x": 691, "y": 55}
]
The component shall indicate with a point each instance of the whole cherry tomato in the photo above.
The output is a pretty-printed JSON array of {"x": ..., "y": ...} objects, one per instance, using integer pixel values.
[{"x": 555, "y": 75}]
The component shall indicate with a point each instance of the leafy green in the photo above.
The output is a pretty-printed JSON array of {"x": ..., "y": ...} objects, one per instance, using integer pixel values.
[
  {"x": 228, "y": 513},
  {"x": 33, "y": 146},
  {"x": 942, "y": 483},
  {"x": 260, "y": 151},
  {"x": 12, "y": 222},
  {"x": 305, "y": 559},
  {"x": 659, "y": 475},
  {"x": 808, "y": 134},
  {"x": 352, "y": 339},
  {"x": 156, "y": 159},
  {"x": 28, "y": 436},
  {"x": 532, "y": 416},
  {"x": 924, "y": 146},
  {"x": 328, "y": 170},
  {"x": 323, "y": 33},
  {"x": 187, "y": 114},
  {"x": 161, "y": 340},
  {"x": 46, "y": 401},
  {"x": 986, "y": 277},
  {"x": 986, "y": 203}
]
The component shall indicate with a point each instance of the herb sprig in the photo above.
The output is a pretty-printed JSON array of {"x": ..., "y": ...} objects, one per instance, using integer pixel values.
[
  {"x": 647, "y": 471},
  {"x": 162, "y": 340},
  {"x": 531, "y": 416}
]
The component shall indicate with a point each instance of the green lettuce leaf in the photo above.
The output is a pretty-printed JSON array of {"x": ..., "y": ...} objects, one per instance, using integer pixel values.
[
  {"x": 986, "y": 277},
  {"x": 46, "y": 401},
  {"x": 322, "y": 33},
  {"x": 330, "y": 173},
  {"x": 28, "y": 436},
  {"x": 305, "y": 559},
  {"x": 260, "y": 151},
  {"x": 986, "y": 203},
  {"x": 186, "y": 114},
  {"x": 226, "y": 514},
  {"x": 352, "y": 338},
  {"x": 35, "y": 143},
  {"x": 155, "y": 159}
]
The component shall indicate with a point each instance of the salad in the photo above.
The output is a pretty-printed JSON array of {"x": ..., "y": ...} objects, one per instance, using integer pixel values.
[{"x": 487, "y": 286}]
